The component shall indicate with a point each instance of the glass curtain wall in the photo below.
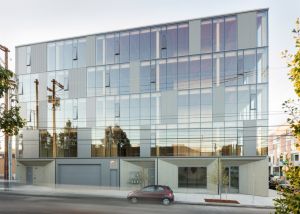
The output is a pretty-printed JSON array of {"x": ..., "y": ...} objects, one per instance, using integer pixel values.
[{"x": 144, "y": 80}]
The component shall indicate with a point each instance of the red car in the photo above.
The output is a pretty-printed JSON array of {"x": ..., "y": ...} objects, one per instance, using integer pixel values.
[{"x": 160, "y": 193}]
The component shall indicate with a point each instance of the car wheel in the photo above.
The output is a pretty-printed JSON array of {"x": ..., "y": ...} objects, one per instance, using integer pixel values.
[
  {"x": 166, "y": 201},
  {"x": 134, "y": 200}
]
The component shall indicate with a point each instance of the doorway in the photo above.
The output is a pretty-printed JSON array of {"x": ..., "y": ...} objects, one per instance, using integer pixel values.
[
  {"x": 230, "y": 179},
  {"x": 29, "y": 175}
]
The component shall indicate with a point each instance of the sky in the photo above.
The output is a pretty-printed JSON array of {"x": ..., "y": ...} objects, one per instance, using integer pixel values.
[{"x": 32, "y": 21}]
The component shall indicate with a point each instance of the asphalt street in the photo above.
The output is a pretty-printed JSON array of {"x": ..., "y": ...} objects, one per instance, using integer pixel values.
[{"x": 13, "y": 203}]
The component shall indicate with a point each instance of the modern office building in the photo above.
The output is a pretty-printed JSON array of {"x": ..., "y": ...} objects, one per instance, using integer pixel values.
[{"x": 183, "y": 104}]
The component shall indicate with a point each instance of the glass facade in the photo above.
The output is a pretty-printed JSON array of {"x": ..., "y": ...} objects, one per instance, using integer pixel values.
[{"x": 146, "y": 86}]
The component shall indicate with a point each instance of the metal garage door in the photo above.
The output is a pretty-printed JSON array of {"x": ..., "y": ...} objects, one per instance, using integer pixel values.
[{"x": 79, "y": 174}]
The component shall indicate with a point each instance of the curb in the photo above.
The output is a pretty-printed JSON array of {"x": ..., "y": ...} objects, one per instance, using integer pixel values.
[
  {"x": 72, "y": 195},
  {"x": 225, "y": 205}
]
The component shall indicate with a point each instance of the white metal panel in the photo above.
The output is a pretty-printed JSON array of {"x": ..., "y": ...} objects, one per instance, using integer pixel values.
[
  {"x": 194, "y": 36},
  {"x": 247, "y": 30},
  {"x": 91, "y": 51},
  {"x": 30, "y": 144},
  {"x": 39, "y": 58},
  {"x": 21, "y": 60},
  {"x": 135, "y": 76}
]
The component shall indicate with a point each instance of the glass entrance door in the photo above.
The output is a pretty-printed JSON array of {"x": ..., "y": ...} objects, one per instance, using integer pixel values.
[{"x": 230, "y": 179}]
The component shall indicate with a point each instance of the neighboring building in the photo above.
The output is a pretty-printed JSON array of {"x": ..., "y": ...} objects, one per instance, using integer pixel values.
[
  {"x": 282, "y": 147},
  {"x": 156, "y": 104},
  {"x": 13, "y": 166}
]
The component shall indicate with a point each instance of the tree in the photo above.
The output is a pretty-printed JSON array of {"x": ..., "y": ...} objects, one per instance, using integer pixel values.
[
  {"x": 10, "y": 119},
  {"x": 289, "y": 198}
]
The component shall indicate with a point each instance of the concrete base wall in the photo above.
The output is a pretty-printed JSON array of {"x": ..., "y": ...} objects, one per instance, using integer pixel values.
[
  {"x": 253, "y": 178},
  {"x": 167, "y": 174},
  {"x": 212, "y": 177},
  {"x": 42, "y": 173},
  {"x": 21, "y": 173}
]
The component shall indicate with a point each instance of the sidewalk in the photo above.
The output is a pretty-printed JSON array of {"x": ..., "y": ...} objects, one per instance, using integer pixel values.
[{"x": 184, "y": 198}]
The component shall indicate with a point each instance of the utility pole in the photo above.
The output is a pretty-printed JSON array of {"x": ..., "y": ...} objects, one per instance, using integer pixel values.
[
  {"x": 6, "y": 177},
  {"x": 55, "y": 102},
  {"x": 36, "y": 81}
]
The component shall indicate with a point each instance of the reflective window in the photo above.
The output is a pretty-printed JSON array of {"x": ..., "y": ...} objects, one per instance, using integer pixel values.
[
  {"x": 195, "y": 109},
  {"x": 218, "y": 69},
  {"x": 252, "y": 101},
  {"x": 109, "y": 111},
  {"x": 153, "y": 76},
  {"x": 206, "y": 71},
  {"x": 183, "y": 39},
  {"x": 100, "y": 81},
  {"x": 145, "y": 77},
  {"x": 171, "y": 78},
  {"x": 206, "y": 36},
  {"x": 206, "y": 105},
  {"x": 114, "y": 77},
  {"x": 218, "y": 34},
  {"x": 154, "y": 108},
  {"x": 62, "y": 77},
  {"x": 90, "y": 82},
  {"x": 163, "y": 42},
  {"x": 81, "y": 53},
  {"x": 262, "y": 65},
  {"x": 162, "y": 71},
  {"x": 81, "y": 112},
  {"x": 231, "y": 103},
  {"x": 172, "y": 41},
  {"x": 28, "y": 56},
  {"x": 230, "y": 68},
  {"x": 145, "y": 109},
  {"x": 75, "y": 53},
  {"x": 244, "y": 102},
  {"x": 124, "y": 79},
  {"x": 145, "y": 44},
  {"x": 100, "y": 50},
  {"x": 100, "y": 111},
  {"x": 154, "y": 40},
  {"x": 109, "y": 49},
  {"x": 134, "y": 45},
  {"x": 240, "y": 68},
  {"x": 262, "y": 100},
  {"x": 230, "y": 33},
  {"x": 117, "y": 48},
  {"x": 183, "y": 73},
  {"x": 194, "y": 72},
  {"x": 51, "y": 56},
  {"x": 183, "y": 107},
  {"x": 59, "y": 55},
  {"x": 124, "y": 47},
  {"x": 134, "y": 110},
  {"x": 68, "y": 48},
  {"x": 249, "y": 67},
  {"x": 192, "y": 177},
  {"x": 124, "y": 110},
  {"x": 262, "y": 28}
]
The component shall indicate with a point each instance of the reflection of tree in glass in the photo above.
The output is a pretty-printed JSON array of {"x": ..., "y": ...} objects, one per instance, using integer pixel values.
[
  {"x": 67, "y": 141},
  {"x": 116, "y": 142},
  {"x": 45, "y": 143}
]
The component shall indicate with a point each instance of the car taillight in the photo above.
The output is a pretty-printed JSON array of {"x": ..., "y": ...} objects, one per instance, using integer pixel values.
[{"x": 170, "y": 194}]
